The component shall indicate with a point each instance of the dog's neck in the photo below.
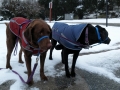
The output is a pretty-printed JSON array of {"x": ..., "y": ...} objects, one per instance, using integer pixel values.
[{"x": 92, "y": 35}]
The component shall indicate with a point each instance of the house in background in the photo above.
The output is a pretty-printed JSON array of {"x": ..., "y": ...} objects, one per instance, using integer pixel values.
[{"x": 69, "y": 16}]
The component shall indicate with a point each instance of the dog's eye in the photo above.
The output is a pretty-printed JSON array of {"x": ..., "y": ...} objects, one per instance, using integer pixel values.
[
  {"x": 41, "y": 32},
  {"x": 48, "y": 32}
]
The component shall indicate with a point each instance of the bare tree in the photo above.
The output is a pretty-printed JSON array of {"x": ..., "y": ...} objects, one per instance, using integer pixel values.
[{"x": 26, "y": 9}]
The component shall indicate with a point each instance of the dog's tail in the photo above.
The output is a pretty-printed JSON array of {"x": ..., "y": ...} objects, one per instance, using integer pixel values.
[{"x": 6, "y": 24}]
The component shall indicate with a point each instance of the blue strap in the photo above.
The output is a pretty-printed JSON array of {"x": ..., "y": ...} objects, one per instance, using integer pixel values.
[
  {"x": 98, "y": 34},
  {"x": 99, "y": 38},
  {"x": 42, "y": 38}
]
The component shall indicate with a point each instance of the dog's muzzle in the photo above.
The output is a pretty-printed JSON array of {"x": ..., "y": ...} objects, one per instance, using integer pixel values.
[
  {"x": 107, "y": 41},
  {"x": 42, "y": 38}
]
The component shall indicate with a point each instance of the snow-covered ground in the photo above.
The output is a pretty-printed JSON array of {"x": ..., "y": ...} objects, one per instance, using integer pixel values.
[{"x": 104, "y": 63}]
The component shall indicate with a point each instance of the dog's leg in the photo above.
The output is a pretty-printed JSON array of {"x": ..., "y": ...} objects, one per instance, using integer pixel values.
[
  {"x": 10, "y": 41},
  {"x": 75, "y": 56},
  {"x": 62, "y": 57},
  {"x": 54, "y": 42},
  {"x": 42, "y": 61},
  {"x": 20, "y": 56},
  {"x": 65, "y": 59},
  {"x": 20, "y": 53},
  {"x": 28, "y": 56}
]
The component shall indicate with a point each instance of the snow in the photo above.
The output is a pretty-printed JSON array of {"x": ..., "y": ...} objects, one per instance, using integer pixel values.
[{"x": 104, "y": 63}]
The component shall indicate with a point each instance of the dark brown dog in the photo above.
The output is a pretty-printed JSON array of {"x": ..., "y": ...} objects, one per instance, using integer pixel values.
[{"x": 32, "y": 33}]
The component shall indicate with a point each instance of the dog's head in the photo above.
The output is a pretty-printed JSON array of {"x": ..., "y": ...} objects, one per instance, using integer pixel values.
[
  {"x": 103, "y": 34},
  {"x": 37, "y": 34},
  {"x": 96, "y": 34}
]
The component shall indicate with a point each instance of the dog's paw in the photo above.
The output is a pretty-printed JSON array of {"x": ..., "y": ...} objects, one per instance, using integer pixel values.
[
  {"x": 68, "y": 75},
  {"x": 63, "y": 62},
  {"x": 8, "y": 66},
  {"x": 20, "y": 61},
  {"x": 30, "y": 83},
  {"x": 26, "y": 72},
  {"x": 44, "y": 78},
  {"x": 73, "y": 74},
  {"x": 50, "y": 58}
]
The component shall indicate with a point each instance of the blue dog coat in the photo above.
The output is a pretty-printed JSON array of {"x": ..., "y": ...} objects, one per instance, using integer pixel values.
[{"x": 67, "y": 35}]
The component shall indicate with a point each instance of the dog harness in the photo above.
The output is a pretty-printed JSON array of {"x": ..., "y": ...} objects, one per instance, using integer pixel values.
[
  {"x": 68, "y": 35},
  {"x": 18, "y": 26}
]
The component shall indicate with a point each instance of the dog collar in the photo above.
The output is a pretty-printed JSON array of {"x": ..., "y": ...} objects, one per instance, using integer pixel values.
[
  {"x": 98, "y": 34},
  {"x": 99, "y": 37}
]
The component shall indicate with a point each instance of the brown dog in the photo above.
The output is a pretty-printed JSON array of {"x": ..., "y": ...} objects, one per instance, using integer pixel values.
[{"x": 33, "y": 37}]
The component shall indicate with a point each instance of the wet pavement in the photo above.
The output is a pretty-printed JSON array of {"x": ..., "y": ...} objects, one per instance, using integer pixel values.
[
  {"x": 61, "y": 82},
  {"x": 54, "y": 83},
  {"x": 83, "y": 81},
  {"x": 97, "y": 82}
]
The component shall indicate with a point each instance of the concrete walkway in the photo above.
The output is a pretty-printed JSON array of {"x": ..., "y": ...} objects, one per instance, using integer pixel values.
[{"x": 83, "y": 81}]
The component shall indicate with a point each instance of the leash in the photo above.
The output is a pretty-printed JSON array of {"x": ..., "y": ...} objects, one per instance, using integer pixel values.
[
  {"x": 30, "y": 78},
  {"x": 98, "y": 43},
  {"x": 34, "y": 68}
]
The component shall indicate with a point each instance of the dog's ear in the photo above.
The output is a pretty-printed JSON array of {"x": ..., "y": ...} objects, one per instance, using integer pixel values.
[
  {"x": 6, "y": 24},
  {"x": 50, "y": 32},
  {"x": 28, "y": 32}
]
